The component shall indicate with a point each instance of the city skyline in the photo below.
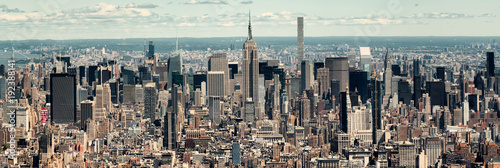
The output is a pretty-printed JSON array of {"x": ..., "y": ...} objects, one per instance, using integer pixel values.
[{"x": 60, "y": 19}]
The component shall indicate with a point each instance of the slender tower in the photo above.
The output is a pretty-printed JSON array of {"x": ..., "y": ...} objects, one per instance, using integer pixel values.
[
  {"x": 300, "y": 40},
  {"x": 388, "y": 74},
  {"x": 250, "y": 67}
]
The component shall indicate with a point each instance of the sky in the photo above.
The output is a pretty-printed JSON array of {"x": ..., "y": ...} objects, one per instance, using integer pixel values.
[{"x": 117, "y": 19}]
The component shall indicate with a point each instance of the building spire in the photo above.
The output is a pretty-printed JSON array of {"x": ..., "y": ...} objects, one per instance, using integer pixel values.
[{"x": 249, "y": 26}]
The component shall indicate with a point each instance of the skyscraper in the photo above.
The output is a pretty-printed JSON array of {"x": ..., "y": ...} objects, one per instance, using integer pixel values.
[
  {"x": 214, "y": 108},
  {"x": 250, "y": 68},
  {"x": 216, "y": 83},
  {"x": 235, "y": 151},
  {"x": 85, "y": 112},
  {"x": 300, "y": 38},
  {"x": 387, "y": 74},
  {"x": 323, "y": 81},
  {"x": 151, "y": 51},
  {"x": 343, "y": 111},
  {"x": 306, "y": 71},
  {"x": 490, "y": 64},
  {"x": 440, "y": 73},
  {"x": 63, "y": 98},
  {"x": 92, "y": 74},
  {"x": 218, "y": 62},
  {"x": 174, "y": 65},
  {"x": 3, "y": 87},
  {"x": 339, "y": 70},
  {"x": 365, "y": 60},
  {"x": 150, "y": 100}
]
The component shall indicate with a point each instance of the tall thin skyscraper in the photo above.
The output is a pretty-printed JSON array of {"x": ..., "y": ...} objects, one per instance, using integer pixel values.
[
  {"x": 300, "y": 38},
  {"x": 387, "y": 74},
  {"x": 63, "y": 98},
  {"x": 250, "y": 68},
  {"x": 218, "y": 62},
  {"x": 490, "y": 64}
]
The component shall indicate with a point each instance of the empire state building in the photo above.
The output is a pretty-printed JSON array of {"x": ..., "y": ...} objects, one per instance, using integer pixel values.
[{"x": 250, "y": 67}]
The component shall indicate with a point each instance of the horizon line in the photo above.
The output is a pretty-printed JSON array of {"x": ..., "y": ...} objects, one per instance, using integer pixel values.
[{"x": 495, "y": 36}]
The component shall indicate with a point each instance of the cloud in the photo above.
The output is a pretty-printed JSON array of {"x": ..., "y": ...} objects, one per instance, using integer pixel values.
[
  {"x": 247, "y": 2},
  {"x": 6, "y": 9},
  {"x": 143, "y": 6},
  {"x": 487, "y": 15},
  {"x": 439, "y": 15},
  {"x": 207, "y": 2}
]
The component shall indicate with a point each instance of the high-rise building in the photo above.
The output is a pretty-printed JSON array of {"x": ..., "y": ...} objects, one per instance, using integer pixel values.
[
  {"x": 317, "y": 65},
  {"x": 218, "y": 62},
  {"x": 150, "y": 101},
  {"x": 323, "y": 81},
  {"x": 343, "y": 111},
  {"x": 106, "y": 96},
  {"x": 250, "y": 68},
  {"x": 170, "y": 121},
  {"x": 365, "y": 60},
  {"x": 82, "y": 71},
  {"x": 198, "y": 77},
  {"x": 417, "y": 89},
  {"x": 128, "y": 76},
  {"x": 306, "y": 69},
  {"x": 216, "y": 83},
  {"x": 139, "y": 93},
  {"x": 63, "y": 98},
  {"x": 214, "y": 108},
  {"x": 104, "y": 74},
  {"x": 92, "y": 74},
  {"x": 432, "y": 147},
  {"x": 490, "y": 64},
  {"x": 170, "y": 133},
  {"x": 114, "y": 90},
  {"x": 300, "y": 38},
  {"x": 151, "y": 51},
  {"x": 440, "y": 73},
  {"x": 233, "y": 69},
  {"x": 387, "y": 75},
  {"x": 235, "y": 153},
  {"x": 174, "y": 65},
  {"x": 85, "y": 112},
  {"x": 249, "y": 111},
  {"x": 3, "y": 86},
  {"x": 436, "y": 90},
  {"x": 407, "y": 154},
  {"x": 358, "y": 82},
  {"x": 339, "y": 70},
  {"x": 128, "y": 94},
  {"x": 352, "y": 59}
]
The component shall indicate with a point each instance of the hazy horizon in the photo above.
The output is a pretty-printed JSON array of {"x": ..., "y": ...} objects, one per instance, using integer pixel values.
[{"x": 94, "y": 19}]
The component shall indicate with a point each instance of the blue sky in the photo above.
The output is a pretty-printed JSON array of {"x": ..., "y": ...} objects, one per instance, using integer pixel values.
[{"x": 89, "y": 19}]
